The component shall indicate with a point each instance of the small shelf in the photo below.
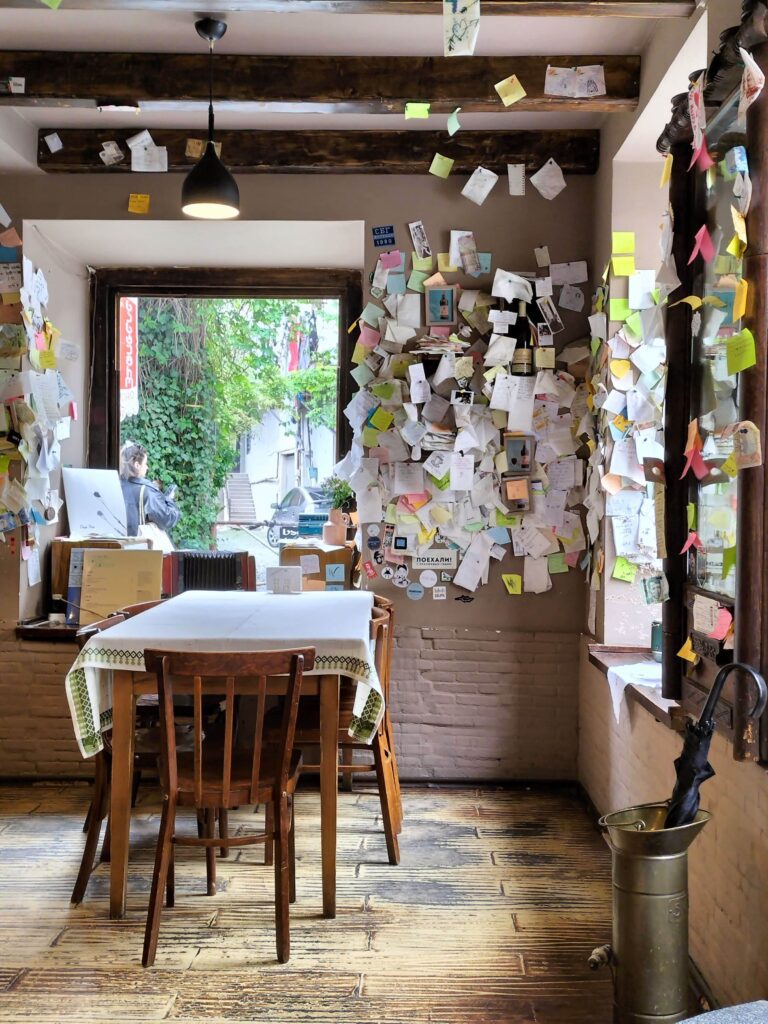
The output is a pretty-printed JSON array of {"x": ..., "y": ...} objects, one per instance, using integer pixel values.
[{"x": 667, "y": 712}]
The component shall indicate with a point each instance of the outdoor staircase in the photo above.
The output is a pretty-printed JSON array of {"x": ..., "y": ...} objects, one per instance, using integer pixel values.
[{"x": 240, "y": 507}]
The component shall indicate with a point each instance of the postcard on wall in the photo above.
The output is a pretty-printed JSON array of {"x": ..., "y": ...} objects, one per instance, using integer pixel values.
[
  {"x": 440, "y": 306},
  {"x": 419, "y": 237}
]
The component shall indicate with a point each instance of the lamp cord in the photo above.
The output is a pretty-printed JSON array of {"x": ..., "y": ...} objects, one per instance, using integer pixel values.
[{"x": 210, "y": 92}]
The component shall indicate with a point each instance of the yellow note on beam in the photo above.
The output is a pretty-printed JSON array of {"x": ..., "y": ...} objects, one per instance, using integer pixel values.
[
  {"x": 441, "y": 166},
  {"x": 510, "y": 90},
  {"x": 623, "y": 243},
  {"x": 416, "y": 111},
  {"x": 623, "y": 266},
  {"x": 138, "y": 203}
]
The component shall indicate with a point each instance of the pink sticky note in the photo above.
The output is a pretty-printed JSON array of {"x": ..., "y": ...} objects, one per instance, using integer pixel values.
[
  {"x": 73, "y": 410},
  {"x": 368, "y": 337},
  {"x": 382, "y": 454},
  {"x": 723, "y": 624},
  {"x": 572, "y": 558},
  {"x": 390, "y": 260},
  {"x": 40, "y": 344},
  {"x": 26, "y": 553},
  {"x": 391, "y": 556},
  {"x": 693, "y": 541},
  {"x": 440, "y": 332},
  {"x": 701, "y": 157},
  {"x": 698, "y": 465},
  {"x": 703, "y": 246}
]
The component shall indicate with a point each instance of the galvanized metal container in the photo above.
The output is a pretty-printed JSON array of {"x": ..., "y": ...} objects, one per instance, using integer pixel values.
[{"x": 650, "y": 913}]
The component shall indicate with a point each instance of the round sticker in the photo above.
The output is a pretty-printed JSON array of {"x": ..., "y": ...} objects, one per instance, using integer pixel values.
[
  {"x": 374, "y": 543},
  {"x": 372, "y": 529},
  {"x": 378, "y": 557},
  {"x": 415, "y": 591},
  {"x": 401, "y": 581},
  {"x": 428, "y": 578},
  {"x": 387, "y": 572}
]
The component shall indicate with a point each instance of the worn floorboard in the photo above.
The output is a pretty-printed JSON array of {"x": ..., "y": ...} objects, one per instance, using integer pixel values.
[{"x": 489, "y": 919}]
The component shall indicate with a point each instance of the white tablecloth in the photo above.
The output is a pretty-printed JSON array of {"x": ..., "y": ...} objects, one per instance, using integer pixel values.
[
  {"x": 335, "y": 623},
  {"x": 643, "y": 673}
]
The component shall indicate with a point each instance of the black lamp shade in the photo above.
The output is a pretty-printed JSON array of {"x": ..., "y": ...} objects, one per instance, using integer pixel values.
[{"x": 210, "y": 192}]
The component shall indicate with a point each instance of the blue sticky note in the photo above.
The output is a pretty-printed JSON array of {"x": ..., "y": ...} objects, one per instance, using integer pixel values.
[
  {"x": 8, "y": 254},
  {"x": 485, "y": 262},
  {"x": 616, "y": 434},
  {"x": 736, "y": 160},
  {"x": 396, "y": 284},
  {"x": 334, "y": 586},
  {"x": 500, "y": 535},
  {"x": 334, "y": 572}
]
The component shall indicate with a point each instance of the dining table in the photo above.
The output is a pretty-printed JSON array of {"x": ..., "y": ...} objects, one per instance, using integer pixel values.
[{"x": 109, "y": 674}]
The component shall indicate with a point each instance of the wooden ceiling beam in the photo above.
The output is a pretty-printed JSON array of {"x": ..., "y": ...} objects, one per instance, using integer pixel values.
[
  {"x": 294, "y": 84},
  {"x": 333, "y": 152},
  {"x": 581, "y": 8}
]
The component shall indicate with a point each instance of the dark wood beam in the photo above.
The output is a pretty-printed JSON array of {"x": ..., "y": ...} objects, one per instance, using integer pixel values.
[
  {"x": 582, "y": 8},
  {"x": 330, "y": 152},
  {"x": 328, "y": 84}
]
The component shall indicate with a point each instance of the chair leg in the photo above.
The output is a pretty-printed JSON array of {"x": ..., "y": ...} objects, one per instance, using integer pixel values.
[
  {"x": 159, "y": 881},
  {"x": 135, "y": 785},
  {"x": 347, "y": 780},
  {"x": 282, "y": 881},
  {"x": 96, "y": 814},
  {"x": 393, "y": 766},
  {"x": 170, "y": 882},
  {"x": 386, "y": 797},
  {"x": 292, "y": 850},
  {"x": 106, "y": 846},
  {"x": 269, "y": 828},
  {"x": 210, "y": 852},
  {"x": 224, "y": 830}
]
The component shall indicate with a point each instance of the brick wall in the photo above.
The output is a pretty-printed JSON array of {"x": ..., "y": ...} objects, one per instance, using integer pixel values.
[
  {"x": 485, "y": 704},
  {"x": 36, "y": 736},
  {"x": 630, "y": 763}
]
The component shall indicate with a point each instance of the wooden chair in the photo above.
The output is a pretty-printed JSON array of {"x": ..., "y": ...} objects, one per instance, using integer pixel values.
[
  {"x": 383, "y": 751},
  {"x": 216, "y": 776}
]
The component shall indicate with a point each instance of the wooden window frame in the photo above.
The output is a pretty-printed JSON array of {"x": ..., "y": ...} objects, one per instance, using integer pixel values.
[{"x": 107, "y": 285}]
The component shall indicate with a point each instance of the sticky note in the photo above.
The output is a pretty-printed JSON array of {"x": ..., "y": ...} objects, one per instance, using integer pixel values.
[
  {"x": 729, "y": 560},
  {"x": 620, "y": 367},
  {"x": 624, "y": 570},
  {"x": 556, "y": 563},
  {"x": 453, "y": 122},
  {"x": 416, "y": 111},
  {"x": 47, "y": 360},
  {"x": 53, "y": 4},
  {"x": 396, "y": 284},
  {"x": 618, "y": 309},
  {"x": 370, "y": 437},
  {"x": 730, "y": 465},
  {"x": 740, "y": 300},
  {"x": 623, "y": 243},
  {"x": 422, "y": 262},
  {"x": 372, "y": 313},
  {"x": 623, "y": 266},
  {"x": 381, "y": 419},
  {"x": 666, "y": 171},
  {"x": 703, "y": 246},
  {"x": 740, "y": 351},
  {"x": 687, "y": 652},
  {"x": 513, "y": 582},
  {"x": 359, "y": 354},
  {"x": 444, "y": 263},
  {"x": 691, "y": 300},
  {"x": 510, "y": 90},
  {"x": 441, "y": 166},
  {"x": 138, "y": 203},
  {"x": 416, "y": 281}
]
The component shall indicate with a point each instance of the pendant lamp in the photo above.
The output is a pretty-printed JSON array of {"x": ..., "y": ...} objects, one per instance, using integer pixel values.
[{"x": 210, "y": 192}]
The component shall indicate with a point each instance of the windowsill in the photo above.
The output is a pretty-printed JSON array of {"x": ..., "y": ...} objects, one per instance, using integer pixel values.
[
  {"x": 667, "y": 712},
  {"x": 46, "y": 632}
]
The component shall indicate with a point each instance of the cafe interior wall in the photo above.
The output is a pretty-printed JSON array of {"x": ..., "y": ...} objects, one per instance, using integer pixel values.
[{"x": 509, "y": 709}]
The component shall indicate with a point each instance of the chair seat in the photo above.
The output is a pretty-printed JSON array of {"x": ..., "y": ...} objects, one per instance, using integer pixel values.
[{"x": 240, "y": 782}]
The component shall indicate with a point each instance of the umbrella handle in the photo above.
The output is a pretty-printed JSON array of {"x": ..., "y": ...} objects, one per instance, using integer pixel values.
[{"x": 707, "y": 715}]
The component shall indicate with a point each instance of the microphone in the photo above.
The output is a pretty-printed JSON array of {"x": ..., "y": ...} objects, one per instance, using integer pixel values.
[{"x": 122, "y": 526}]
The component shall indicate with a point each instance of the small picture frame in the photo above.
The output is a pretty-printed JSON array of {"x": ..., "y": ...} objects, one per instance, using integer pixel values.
[
  {"x": 519, "y": 449},
  {"x": 517, "y": 494},
  {"x": 440, "y": 305}
]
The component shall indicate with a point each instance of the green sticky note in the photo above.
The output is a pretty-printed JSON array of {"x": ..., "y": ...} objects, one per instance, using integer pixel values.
[
  {"x": 618, "y": 309},
  {"x": 623, "y": 243},
  {"x": 690, "y": 513},
  {"x": 513, "y": 582},
  {"x": 5, "y": 461},
  {"x": 634, "y": 325},
  {"x": 595, "y": 345},
  {"x": 362, "y": 375},
  {"x": 624, "y": 570},
  {"x": 416, "y": 111},
  {"x": 556, "y": 563},
  {"x": 370, "y": 437},
  {"x": 441, "y": 166},
  {"x": 444, "y": 482},
  {"x": 381, "y": 419},
  {"x": 453, "y": 121},
  {"x": 740, "y": 351},
  {"x": 623, "y": 266},
  {"x": 359, "y": 354},
  {"x": 656, "y": 295},
  {"x": 729, "y": 560},
  {"x": 371, "y": 314},
  {"x": 384, "y": 390},
  {"x": 422, "y": 262},
  {"x": 53, "y": 4},
  {"x": 390, "y": 515},
  {"x": 506, "y": 518},
  {"x": 416, "y": 281}
]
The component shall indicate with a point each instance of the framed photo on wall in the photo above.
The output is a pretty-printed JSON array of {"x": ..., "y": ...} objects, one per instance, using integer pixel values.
[{"x": 440, "y": 305}]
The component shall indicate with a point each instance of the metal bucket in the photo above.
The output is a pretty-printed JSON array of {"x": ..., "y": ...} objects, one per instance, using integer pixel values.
[{"x": 650, "y": 913}]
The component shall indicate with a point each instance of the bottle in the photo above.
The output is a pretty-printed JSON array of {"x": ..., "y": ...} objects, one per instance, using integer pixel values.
[
  {"x": 522, "y": 360},
  {"x": 443, "y": 307},
  {"x": 525, "y": 457}
]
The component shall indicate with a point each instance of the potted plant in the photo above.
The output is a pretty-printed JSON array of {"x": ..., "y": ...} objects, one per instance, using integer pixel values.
[{"x": 342, "y": 499}]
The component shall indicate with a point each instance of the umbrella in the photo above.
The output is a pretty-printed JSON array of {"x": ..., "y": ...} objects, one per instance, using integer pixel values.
[{"x": 692, "y": 766}]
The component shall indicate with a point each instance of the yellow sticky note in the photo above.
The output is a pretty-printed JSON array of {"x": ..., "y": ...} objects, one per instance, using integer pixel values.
[
  {"x": 713, "y": 300},
  {"x": 425, "y": 535},
  {"x": 666, "y": 171},
  {"x": 623, "y": 243},
  {"x": 513, "y": 582},
  {"x": 739, "y": 224},
  {"x": 422, "y": 262},
  {"x": 621, "y": 423},
  {"x": 359, "y": 354},
  {"x": 440, "y": 515},
  {"x": 370, "y": 437},
  {"x": 623, "y": 266},
  {"x": 381, "y": 419},
  {"x": 138, "y": 203},
  {"x": 740, "y": 299},
  {"x": 736, "y": 247},
  {"x": 618, "y": 309},
  {"x": 47, "y": 360},
  {"x": 729, "y": 466},
  {"x": 620, "y": 367},
  {"x": 444, "y": 263},
  {"x": 687, "y": 652},
  {"x": 692, "y": 300},
  {"x": 416, "y": 111},
  {"x": 624, "y": 570},
  {"x": 501, "y": 462},
  {"x": 740, "y": 351},
  {"x": 634, "y": 324},
  {"x": 510, "y": 90},
  {"x": 10, "y": 298},
  {"x": 441, "y": 166}
]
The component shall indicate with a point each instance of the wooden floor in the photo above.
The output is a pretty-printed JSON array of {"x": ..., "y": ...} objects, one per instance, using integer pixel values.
[{"x": 489, "y": 919}]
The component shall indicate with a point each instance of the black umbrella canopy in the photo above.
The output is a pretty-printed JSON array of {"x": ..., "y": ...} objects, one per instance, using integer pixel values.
[{"x": 692, "y": 767}]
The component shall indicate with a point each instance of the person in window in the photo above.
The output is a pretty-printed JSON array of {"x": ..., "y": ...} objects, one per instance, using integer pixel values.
[{"x": 159, "y": 506}]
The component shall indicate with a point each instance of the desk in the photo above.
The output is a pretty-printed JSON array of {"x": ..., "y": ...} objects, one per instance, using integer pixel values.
[{"x": 109, "y": 674}]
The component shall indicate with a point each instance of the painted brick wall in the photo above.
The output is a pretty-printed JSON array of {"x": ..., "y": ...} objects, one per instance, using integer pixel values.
[
  {"x": 485, "y": 704},
  {"x": 630, "y": 763},
  {"x": 36, "y": 736}
]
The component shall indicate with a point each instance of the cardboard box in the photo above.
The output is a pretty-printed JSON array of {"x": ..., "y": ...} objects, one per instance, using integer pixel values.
[
  {"x": 61, "y": 548},
  {"x": 326, "y": 566},
  {"x": 113, "y": 579}
]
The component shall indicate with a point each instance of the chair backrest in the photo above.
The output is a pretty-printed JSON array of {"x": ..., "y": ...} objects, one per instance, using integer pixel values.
[
  {"x": 383, "y": 604},
  {"x": 84, "y": 634},
  {"x": 380, "y": 636},
  {"x": 226, "y": 675}
]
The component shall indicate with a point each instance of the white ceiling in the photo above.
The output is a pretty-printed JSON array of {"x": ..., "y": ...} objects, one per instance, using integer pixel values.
[{"x": 308, "y": 34}]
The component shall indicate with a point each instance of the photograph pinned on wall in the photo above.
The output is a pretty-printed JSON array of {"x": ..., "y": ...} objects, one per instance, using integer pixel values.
[
  {"x": 419, "y": 238},
  {"x": 550, "y": 314},
  {"x": 462, "y": 396},
  {"x": 519, "y": 450},
  {"x": 440, "y": 306},
  {"x": 518, "y": 496}
]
